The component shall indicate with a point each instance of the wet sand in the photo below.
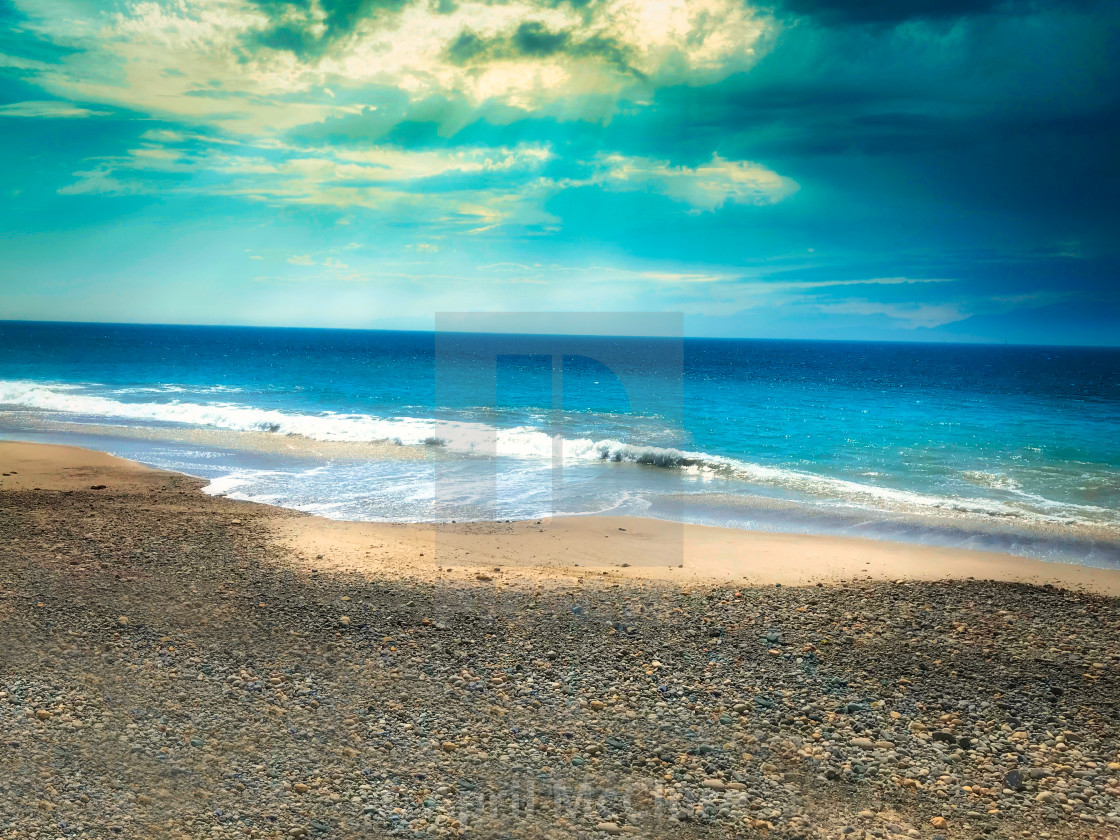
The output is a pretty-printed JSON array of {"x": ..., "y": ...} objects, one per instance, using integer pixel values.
[{"x": 576, "y": 546}]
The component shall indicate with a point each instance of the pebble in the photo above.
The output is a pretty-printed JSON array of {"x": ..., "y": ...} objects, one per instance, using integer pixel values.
[{"x": 708, "y": 711}]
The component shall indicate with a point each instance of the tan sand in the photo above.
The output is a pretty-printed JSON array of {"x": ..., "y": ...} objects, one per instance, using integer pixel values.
[
  {"x": 36, "y": 466},
  {"x": 647, "y": 549},
  {"x": 584, "y": 547}
]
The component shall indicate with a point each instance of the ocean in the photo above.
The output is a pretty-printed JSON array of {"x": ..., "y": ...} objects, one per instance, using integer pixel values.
[{"x": 999, "y": 447}]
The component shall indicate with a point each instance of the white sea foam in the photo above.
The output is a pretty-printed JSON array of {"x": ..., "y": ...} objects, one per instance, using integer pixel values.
[
  {"x": 528, "y": 442},
  {"x": 226, "y": 484},
  {"x": 994, "y": 481},
  {"x": 223, "y": 415},
  {"x": 166, "y": 388}
]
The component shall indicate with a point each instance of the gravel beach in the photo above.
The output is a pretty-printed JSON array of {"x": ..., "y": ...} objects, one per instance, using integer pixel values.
[{"x": 176, "y": 665}]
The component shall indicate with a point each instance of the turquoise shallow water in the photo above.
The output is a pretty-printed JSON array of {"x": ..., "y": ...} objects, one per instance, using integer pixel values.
[{"x": 1006, "y": 447}]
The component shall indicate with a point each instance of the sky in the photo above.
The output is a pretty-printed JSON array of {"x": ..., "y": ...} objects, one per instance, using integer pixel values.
[{"x": 842, "y": 169}]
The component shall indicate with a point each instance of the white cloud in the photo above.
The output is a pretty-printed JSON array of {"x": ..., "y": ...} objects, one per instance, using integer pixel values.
[
  {"x": 386, "y": 164},
  {"x": 871, "y": 281},
  {"x": 914, "y": 315},
  {"x": 206, "y": 60},
  {"x": 910, "y": 315},
  {"x": 205, "y": 63},
  {"x": 50, "y": 108},
  {"x": 308, "y": 260},
  {"x": 707, "y": 186},
  {"x": 450, "y": 187}
]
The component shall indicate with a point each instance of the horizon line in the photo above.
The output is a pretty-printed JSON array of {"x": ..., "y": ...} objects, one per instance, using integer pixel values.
[{"x": 683, "y": 336}]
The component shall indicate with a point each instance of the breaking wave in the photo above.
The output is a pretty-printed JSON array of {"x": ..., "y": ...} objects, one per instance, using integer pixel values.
[{"x": 528, "y": 442}]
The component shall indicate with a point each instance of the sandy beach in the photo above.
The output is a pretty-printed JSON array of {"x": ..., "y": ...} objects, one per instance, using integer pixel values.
[
  {"x": 182, "y": 665},
  {"x": 634, "y": 549}
]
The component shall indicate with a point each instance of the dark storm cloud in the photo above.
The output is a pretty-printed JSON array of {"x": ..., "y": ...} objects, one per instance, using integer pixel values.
[
  {"x": 1010, "y": 121},
  {"x": 1001, "y": 135},
  {"x": 340, "y": 18},
  {"x": 888, "y": 11},
  {"x": 532, "y": 39},
  {"x": 467, "y": 47},
  {"x": 891, "y": 12}
]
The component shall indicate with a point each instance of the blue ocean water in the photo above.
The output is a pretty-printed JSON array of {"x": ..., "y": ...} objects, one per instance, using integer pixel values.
[{"x": 1016, "y": 448}]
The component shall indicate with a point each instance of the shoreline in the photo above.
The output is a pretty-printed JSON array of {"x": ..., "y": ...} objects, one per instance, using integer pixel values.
[
  {"x": 933, "y": 522},
  {"x": 564, "y": 548}
]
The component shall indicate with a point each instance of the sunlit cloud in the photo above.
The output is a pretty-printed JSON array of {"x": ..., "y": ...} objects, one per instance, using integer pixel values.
[
  {"x": 262, "y": 67},
  {"x": 707, "y": 186},
  {"x": 481, "y": 187},
  {"x": 242, "y": 76},
  {"x": 447, "y": 186}
]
